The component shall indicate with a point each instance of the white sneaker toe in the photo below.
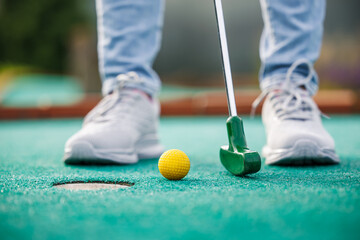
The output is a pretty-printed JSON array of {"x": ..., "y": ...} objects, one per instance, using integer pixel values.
[{"x": 85, "y": 148}]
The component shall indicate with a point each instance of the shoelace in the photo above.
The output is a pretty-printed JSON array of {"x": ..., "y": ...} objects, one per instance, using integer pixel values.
[
  {"x": 109, "y": 100},
  {"x": 291, "y": 101}
]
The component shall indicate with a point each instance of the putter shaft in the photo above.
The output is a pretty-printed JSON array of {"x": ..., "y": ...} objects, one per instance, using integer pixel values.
[{"x": 225, "y": 58}]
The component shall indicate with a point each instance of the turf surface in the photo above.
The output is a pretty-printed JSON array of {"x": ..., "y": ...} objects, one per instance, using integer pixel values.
[
  {"x": 41, "y": 90},
  {"x": 276, "y": 203}
]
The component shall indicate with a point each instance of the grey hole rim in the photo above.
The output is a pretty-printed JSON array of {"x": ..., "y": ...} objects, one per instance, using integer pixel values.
[{"x": 92, "y": 185}]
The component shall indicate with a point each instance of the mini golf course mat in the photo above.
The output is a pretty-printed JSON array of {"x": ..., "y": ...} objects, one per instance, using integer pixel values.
[
  {"x": 319, "y": 202},
  {"x": 37, "y": 90}
]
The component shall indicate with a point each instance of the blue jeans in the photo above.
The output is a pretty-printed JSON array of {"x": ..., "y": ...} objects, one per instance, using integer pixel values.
[{"x": 129, "y": 37}]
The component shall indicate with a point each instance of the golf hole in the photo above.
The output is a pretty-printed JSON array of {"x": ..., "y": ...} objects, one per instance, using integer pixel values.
[{"x": 94, "y": 185}]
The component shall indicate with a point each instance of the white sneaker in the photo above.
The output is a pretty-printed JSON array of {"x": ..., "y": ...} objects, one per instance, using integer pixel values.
[
  {"x": 121, "y": 129},
  {"x": 295, "y": 134}
]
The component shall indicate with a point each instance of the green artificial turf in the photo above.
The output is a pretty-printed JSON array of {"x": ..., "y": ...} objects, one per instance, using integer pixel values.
[
  {"x": 41, "y": 90},
  {"x": 276, "y": 203}
]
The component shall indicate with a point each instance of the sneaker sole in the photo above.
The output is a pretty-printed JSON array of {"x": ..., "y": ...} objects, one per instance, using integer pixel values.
[
  {"x": 304, "y": 152},
  {"x": 83, "y": 153}
]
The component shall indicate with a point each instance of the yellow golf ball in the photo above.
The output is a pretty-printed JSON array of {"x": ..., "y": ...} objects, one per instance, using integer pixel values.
[{"x": 174, "y": 164}]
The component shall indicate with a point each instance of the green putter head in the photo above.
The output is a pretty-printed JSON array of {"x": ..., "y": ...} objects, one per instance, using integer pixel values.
[{"x": 236, "y": 157}]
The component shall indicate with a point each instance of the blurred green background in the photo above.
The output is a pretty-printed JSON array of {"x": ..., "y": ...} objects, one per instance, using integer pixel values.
[{"x": 59, "y": 37}]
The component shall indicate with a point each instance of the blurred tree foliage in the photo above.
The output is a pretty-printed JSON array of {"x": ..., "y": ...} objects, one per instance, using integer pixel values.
[{"x": 36, "y": 33}]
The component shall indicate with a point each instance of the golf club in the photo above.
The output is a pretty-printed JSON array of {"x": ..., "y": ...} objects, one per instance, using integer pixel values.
[{"x": 235, "y": 157}]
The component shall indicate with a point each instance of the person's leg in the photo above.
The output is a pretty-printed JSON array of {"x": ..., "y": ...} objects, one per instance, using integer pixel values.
[
  {"x": 129, "y": 36},
  {"x": 292, "y": 30},
  {"x": 289, "y": 46},
  {"x": 122, "y": 128}
]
